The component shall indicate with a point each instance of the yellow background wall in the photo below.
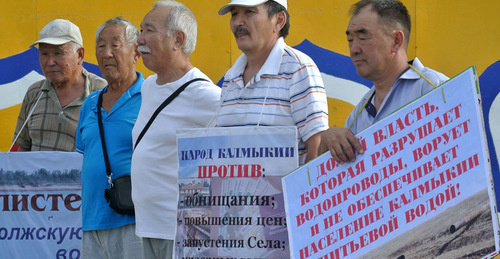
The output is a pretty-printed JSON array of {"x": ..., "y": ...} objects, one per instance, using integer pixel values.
[{"x": 447, "y": 35}]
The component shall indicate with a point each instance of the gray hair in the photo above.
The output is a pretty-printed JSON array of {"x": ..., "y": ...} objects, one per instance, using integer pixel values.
[
  {"x": 75, "y": 46},
  {"x": 131, "y": 32},
  {"x": 180, "y": 18}
]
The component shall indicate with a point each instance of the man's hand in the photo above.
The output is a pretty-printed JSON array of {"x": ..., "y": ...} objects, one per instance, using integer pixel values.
[{"x": 341, "y": 143}]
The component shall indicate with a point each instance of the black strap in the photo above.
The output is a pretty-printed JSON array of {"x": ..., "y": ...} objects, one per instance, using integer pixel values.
[
  {"x": 165, "y": 103},
  {"x": 101, "y": 132}
]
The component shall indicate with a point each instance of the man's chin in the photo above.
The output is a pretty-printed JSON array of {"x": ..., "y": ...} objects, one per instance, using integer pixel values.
[
  {"x": 55, "y": 80},
  {"x": 110, "y": 77},
  {"x": 243, "y": 46},
  {"x": 361, "y": 69},
  {"x": 361, "y": 73},
  {"x": 149, "y": 65}
]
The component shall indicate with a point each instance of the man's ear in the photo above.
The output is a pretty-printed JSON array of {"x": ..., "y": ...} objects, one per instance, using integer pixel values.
[
  {"x": 81, "y": 55},
  {"x": 280, "y": 21},
  {"x": 180, "y": 39},
  {"x": 398, "y": 40},
  {"x": 137, "y": 54}
]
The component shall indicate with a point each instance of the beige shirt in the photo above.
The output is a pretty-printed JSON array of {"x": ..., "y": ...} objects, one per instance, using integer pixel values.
[{"x": 51, "y": 127}]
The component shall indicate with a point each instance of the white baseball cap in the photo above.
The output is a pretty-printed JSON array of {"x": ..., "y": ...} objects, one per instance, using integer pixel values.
[
  {"x": 248, "y": 3},
  {"x": 58, "y": 32}
]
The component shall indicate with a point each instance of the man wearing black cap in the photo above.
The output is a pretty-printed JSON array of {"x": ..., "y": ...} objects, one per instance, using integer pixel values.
[
  {"x": 272, "y": 84},
  {"x": 49, "y": 113}
]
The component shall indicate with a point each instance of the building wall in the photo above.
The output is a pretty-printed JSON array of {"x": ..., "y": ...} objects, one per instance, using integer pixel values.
[{"x": 447, "y": 35}]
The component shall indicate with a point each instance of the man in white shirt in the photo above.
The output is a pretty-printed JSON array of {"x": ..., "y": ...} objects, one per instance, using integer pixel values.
[{"x": 168, "y": 37}]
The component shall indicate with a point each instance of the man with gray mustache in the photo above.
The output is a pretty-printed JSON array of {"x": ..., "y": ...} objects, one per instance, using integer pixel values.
[
  {"x": 272, "y": 84},
  {"x": 168, "y": 37}
]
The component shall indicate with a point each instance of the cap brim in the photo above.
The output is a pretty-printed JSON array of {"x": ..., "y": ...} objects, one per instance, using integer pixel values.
[
  {"x": 227, "y": 8},
  {"x": 51, "y": 41}
]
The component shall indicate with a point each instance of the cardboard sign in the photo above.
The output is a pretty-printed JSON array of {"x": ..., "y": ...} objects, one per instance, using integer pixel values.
[
  {"x": 422, "y": 189},
  {"x": 230, "y": 195}
]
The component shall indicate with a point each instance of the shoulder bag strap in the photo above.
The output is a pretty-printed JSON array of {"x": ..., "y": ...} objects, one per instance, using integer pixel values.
[
  {"x": 109, "y": 174},
  {"x": 163, "y": 105}
]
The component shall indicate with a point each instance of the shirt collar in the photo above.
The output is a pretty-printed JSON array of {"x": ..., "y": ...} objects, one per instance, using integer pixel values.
[
  {"x": 410, "y": 73},
  {"x": 273, "y": 61},
  {"x": 136, "y": 87},
  {"x": 133, "y": 90}
]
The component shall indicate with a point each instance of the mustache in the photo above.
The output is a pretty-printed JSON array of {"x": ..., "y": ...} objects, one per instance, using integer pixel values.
[
  {"x": 240, "y": 30},
  {"x": 143, "y": 49}
]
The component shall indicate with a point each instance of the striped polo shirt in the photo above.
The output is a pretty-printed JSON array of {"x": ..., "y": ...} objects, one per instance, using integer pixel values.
[{"x": 287, "y": 91}]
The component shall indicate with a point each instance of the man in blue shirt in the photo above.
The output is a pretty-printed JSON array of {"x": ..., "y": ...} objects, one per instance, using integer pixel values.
[
  {"x": 378, "y": 35},
  {"x": 106, "y": 233}
]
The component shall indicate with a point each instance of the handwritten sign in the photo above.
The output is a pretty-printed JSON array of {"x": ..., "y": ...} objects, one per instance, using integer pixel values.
[{"x": 424, "y": 184}]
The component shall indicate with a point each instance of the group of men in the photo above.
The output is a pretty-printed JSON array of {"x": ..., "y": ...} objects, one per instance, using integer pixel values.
[{"x": 271, "y": 84}]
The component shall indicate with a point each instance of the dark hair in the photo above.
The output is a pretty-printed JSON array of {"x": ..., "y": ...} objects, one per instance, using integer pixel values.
[
  {"x": 275, "y": 8},
  {"x": 392, "y": 14}
]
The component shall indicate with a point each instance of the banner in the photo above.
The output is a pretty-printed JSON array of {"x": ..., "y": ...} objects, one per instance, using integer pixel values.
[
  {"x": 230, "y": 194},
  {"x": 40, "y": 201},
  {"x": 422, "y": 189}
]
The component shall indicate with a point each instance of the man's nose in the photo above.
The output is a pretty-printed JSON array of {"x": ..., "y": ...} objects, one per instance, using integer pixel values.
[
  {"x": 237, "y": 20},
  {"x": 107, "y": 52},
  {"x": 51, "y": 61},
  {"x": 354, "y": 47},
  {"x": 140, "y": 39}
]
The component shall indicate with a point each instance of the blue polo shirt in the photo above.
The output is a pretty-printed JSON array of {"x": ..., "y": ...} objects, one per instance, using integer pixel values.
[
  {"x": 409, "y": 86},
  {"x": 117, "y": 124}
]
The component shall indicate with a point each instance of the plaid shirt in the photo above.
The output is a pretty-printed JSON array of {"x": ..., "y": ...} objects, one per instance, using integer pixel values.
[{"x": 51, "y": 127}]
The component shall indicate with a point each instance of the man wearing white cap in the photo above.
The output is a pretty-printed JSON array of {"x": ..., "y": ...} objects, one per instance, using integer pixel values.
[
  {"x": 271, "y": 84},
  {"x": 50, "y": 110}
]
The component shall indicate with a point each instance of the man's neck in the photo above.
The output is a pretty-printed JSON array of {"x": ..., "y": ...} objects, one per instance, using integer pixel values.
[
  {"x": 255, "y": 61},
  {"x": 116, "y": 90},
  {"x": 172, "y": 74},
  {"x": 384, "y": 84},
  {"x": 69, "y": 91},
  {"x": 119, "y": 87}
]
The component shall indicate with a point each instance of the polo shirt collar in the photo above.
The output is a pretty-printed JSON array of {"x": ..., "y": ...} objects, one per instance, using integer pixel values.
[
  {"x": 87, "y": 84},
  {"x": 410, "y": 73},
  {"x": 273, "y": 61},
  {"x": 133, "y": 90},
  {"x": 136, "y": 87},
  {"x": 47, "y": 86}
]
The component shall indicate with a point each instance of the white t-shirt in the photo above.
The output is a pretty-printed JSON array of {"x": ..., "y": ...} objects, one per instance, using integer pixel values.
[{"x": 154, "y": 161}]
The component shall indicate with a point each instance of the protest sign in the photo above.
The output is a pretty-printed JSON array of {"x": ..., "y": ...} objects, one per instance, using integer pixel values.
[
  {"x": 40, "y": 201},
  {"x": 230, "y": 194},
  {"x": 422, "y": 189}
]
